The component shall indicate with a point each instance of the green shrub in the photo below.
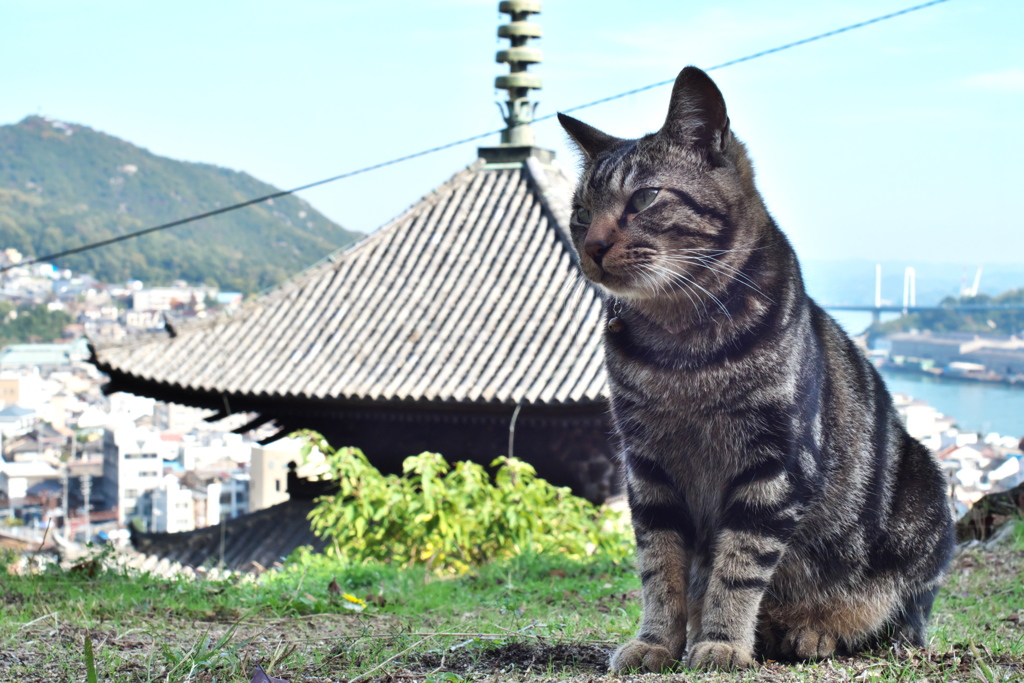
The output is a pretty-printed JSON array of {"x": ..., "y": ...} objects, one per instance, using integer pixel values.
[{"x": 453, "y": 517}]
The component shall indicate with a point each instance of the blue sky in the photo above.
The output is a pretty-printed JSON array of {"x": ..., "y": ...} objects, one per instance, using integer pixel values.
[{"x": 901, "y": 140}]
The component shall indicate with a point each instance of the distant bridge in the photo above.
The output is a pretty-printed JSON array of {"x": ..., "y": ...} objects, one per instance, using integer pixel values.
[
  {"x": 910, "y": 299},
  {"x": 877, "y": 311}
]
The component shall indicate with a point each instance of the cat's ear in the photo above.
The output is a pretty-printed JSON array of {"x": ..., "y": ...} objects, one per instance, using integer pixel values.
[
  {"x": 696, "y": 112},
  {"x": 589, "y": 140}
]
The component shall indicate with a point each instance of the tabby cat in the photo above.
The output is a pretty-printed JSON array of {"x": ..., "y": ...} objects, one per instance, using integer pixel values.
[{"x": 780, "y": 508}]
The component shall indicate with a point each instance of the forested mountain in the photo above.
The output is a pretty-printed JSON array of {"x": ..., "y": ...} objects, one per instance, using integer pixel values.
[{"x": 64, "y": 185}]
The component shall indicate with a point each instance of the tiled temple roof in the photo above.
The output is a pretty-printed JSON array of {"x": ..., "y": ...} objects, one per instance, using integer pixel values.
[
  {"x": 265, "y": 536},
  {"x": 465, "y": 298}
]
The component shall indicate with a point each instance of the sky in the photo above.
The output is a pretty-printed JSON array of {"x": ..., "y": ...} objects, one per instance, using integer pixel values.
[{"x": 898, "y": 141}]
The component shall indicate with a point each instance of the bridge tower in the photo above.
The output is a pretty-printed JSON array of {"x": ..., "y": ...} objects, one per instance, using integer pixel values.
[
  {"x": 876, "y": 314},
  {"x": 909, "y": 289}
]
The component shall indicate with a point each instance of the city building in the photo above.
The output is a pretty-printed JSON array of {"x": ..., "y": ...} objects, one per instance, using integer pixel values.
[
  {"x": 43, "y": 442},
  {"x": 15, "y": 421},
  {"x": 925, "y": 423},
  {"x": 22, "y": 387},
  {"x": 16, "y": 478},
  {"x": 268, "y": 472},
  {"x": 979, "y": 469},
  {"x": 133, "y": 463},
  {"x": 227, "y": 448},
  {"x": 44, "y": 356},
  {"x": 143, "y": 320},
  {"x": 173, "y": 506},
  {"x": 251, "y": 542},
  {"x": 170, "y": 298},
  {"x": 957, "y": 351}
]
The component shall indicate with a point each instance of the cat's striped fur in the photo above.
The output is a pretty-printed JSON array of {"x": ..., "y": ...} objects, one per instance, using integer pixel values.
[{"x": 780, "y": 508}]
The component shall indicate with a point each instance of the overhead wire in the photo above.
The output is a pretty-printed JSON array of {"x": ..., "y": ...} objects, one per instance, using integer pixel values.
[
  {"x": 449, "y": 145},
  {"x": 747, "y": 58}
]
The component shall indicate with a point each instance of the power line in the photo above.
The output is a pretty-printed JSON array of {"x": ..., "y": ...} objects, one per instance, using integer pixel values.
[
  {"x": 463, "y": 141},
  {"x": 233, "y": 207},
  {"x": 748, "y": 58}
]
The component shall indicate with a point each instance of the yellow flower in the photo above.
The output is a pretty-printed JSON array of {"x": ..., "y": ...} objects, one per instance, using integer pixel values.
[{"x": 353, "y": 599}]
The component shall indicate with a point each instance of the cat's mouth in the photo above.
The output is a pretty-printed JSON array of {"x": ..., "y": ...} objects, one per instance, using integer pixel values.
[{"x": 632, "y": 281}]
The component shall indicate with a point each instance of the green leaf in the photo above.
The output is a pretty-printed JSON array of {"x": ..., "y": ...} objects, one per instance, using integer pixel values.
[{"x": 90, "y": 662}]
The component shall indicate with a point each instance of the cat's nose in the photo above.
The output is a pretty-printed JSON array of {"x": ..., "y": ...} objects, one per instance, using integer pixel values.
[{"x": 596, "y": 249}]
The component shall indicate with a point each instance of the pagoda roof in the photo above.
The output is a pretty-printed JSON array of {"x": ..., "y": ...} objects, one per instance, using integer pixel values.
[{"x": 470, "y": 296}]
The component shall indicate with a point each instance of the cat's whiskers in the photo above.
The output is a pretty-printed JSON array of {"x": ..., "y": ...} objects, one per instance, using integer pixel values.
[
  {"x": 714, "y": 265},
  {"x": 679, "y": 276},
  {"x": 742, "y": 247},
  {"x": 676, "y": 276},
  {"x": 649, "y": 281},
  {"x": 680, "y": 262},
  {"x": 711, "y": 262},
  {"x": 714, "y": 258},
  {"x": 664, "y": 287},
  {"x": 658, "y": 284}
]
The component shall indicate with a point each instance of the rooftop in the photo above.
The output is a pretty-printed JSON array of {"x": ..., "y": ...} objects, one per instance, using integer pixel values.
[
  {"x": 262, "y": 537},
  {"x": 28, "y": 469},
  {"x": 30, "y": 355},
  {"x": 464, "y": 298}
]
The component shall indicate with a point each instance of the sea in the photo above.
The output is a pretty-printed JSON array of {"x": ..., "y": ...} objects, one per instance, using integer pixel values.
[{"x": 976, "y": 407}]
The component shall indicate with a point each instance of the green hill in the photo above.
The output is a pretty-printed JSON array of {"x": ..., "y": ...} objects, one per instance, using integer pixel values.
[{"x": 63, "y": 185}]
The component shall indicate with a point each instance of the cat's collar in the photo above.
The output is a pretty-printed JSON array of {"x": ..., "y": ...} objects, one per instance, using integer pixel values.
[{"x": 615, "y": 324}]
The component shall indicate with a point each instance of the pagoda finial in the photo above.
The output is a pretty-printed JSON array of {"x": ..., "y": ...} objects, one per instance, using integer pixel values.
[
  {"x": 518, "y": 142},
  {"x": 518, "y": 112}
]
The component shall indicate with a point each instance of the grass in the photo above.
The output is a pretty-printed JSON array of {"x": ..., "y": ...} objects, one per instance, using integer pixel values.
[{"x": 532, "y": 618}]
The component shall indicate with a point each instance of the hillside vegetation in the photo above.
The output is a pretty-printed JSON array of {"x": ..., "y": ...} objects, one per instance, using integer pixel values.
[
  {"x": 29, "y": 323},
  {"x": 63, "y": 185}
]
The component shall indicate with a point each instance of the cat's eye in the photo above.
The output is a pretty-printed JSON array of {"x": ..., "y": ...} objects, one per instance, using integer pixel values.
[
  {"x": 641, "y": 199},
  {"x": 583, "y": 215}
]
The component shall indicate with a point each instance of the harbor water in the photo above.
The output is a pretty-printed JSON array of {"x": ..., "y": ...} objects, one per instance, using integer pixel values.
[{"x": 976, "y": 406}]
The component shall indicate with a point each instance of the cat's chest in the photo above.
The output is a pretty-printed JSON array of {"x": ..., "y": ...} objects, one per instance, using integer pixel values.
[
  {"x": 697, "y": 422},
  {"x": 703, "y": 389}
]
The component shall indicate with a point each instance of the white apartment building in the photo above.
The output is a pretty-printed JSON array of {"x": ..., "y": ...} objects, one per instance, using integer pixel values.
[
  {"x": 166, "y": 298},
  {"x": 234, "y": 496},
  {"x": 177, "y": 508},
  {"x": 225, "y": 448},
  {"x": 21, "y": 387},
  {"x": 928, "y": 425},
  {"x": 16, "y": 478},
  {"x": 173, "y": 507},
  {"x": 15, "y": 420},
  {"x": 133, "y": 463}
]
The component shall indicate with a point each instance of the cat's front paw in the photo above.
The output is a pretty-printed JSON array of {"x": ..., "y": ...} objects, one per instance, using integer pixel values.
[
  {"x": 717, "y": 655},
  {"x": 637, "y": 655},
  {"x": 806, "y": 643}
]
